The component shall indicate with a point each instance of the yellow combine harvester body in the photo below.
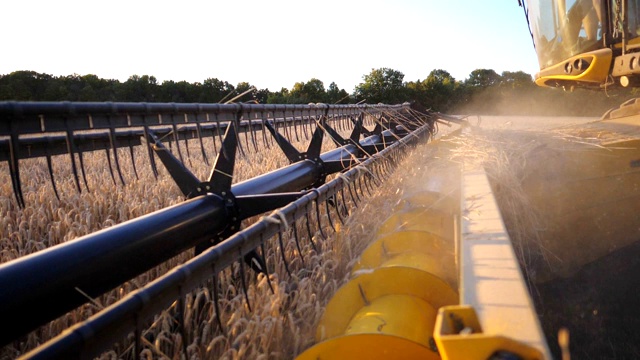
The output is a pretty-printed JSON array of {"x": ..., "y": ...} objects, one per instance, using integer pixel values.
[{"x": 586, "y": 43}]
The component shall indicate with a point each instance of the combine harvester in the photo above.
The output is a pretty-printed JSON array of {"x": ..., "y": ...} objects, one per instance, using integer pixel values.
[{"x": 441, "y": 278}]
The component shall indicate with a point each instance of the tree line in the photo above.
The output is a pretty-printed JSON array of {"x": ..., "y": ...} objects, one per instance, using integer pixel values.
[{"x": 484, "y": 91}]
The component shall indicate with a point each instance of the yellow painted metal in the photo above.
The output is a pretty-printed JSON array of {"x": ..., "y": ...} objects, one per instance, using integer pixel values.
[
  {"x": 458, "y": 335},
  {"x": 419, "y": 249},
  {"x": 405, "y": 316},
  {"x": 368, "y": 346},
  {"x": 367, "y": 287},
  {"x": 434, "y": 200},
  {"x": 597, "y": 72},
  {"x": 405, "y": 321},
  {"x": 420, "y": 219}
]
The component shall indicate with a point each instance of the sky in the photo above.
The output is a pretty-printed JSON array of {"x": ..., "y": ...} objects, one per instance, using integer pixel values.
[{"x": 270, "y": 44}]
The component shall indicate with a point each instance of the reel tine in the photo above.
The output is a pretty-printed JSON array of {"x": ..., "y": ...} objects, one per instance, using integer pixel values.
[
  {"x": 199, "y": 133},
  {"x": 106, "y": 152},
  {"x": 180, "y": 309},
  {"x": 287, "y": 130},
  {"x": 53, "y": 181},
  {"x": 375, "y": 169},
  {"x": 308, "y": 222},
  {"x": 200, "y": 141},
  {"x": 186, "y": 146},
  {"x": 364, "y": 186},
  {"x": 253, "y": 136},
  {"x": 303, "y": 126},
  {"x": 14, "y": 170},
  {"x": 275, "y": 126},
  {"x": 295, "y": 237},
  {"x": 244, "y": 282},
  {"x": 216, "y": 301},
  {"x": 215, "y": 145},
  {"x": 174, "y": 131},
  {"x": 326, "y": 203},
  {"x": 133, "y": 161},
  {"x": 71, "y": 151},
  {"x": 350, "y": 124},
  {"x": 338, "y": 207},
  {"x": 295, "y": 129},
  {"x": 324, "y": 236},
  {"x": 342, "y": 206},
  {"x": 246, "y": 139},
  {"x": 112, "y": 143},
  {"x": 367, "y": 183},
  {"x": 220, "y": 136},
  {"x": 353, "y": 198},
  {"x": 266, "y": 268},
  {"x": 264, "y": 134},
  {"x": 282, "y": 250},
  {"x": 152, "y": 160},
  {"x": 82, "y": 170},
  {"x": 236, "y": 125},
  {"x": 357, "y": 185}
]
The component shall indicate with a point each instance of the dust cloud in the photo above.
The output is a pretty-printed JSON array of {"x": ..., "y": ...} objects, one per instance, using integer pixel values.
[{"x": 569, "y": 204}]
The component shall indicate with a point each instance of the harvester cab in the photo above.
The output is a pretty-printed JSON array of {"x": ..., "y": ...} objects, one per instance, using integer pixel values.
[{"x": 585, "y": 43}]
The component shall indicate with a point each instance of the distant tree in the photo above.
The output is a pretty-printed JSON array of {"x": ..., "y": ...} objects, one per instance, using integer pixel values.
[
  {"x": 214, "y": 90},
  {"x": 262, "y": 95},
  {"x": 181, "y": 91},
  {"x": 382, "y": 85},
  {"x": 24, "y": 85},
  {"x": 440, "y": 88},
  {"x": 483, "y": 78},
  {"x": 137, "y": 88},
  {"x": 279, "y": 97},
  {"x": 310, "y": 92},
  {"x": 516, "y": 80},
  {"x": 248, "y": 97},
  {"x": 335, "y": 95}
]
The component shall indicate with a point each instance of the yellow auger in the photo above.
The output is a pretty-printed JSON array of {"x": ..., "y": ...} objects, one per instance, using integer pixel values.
[{"x": 389, "y": 308}]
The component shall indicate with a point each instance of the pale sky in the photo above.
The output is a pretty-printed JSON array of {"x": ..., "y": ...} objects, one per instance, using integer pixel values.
[{"x": 270, "y": 44}]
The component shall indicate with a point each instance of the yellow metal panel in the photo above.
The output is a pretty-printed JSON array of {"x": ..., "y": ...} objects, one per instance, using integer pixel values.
[
  {"x": 365, "y": 288},
  {"x": 597, "y": 72},
  {"x": 446, "y": 203},
  {"x": 459, "y": 335},
  {"x": 419, "y": 249},
  {"x": 368, "y": 346},
  {"x": 400, "y": 315},
  {"x": 419, "y": 219},
  {"x": 490, "y": 275}
]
